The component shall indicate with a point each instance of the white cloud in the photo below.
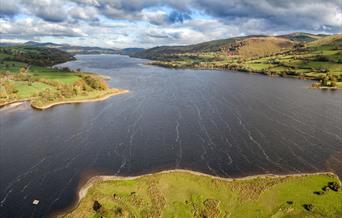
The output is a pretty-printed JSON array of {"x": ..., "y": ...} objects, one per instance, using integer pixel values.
[{"x": 145, "y": 23}]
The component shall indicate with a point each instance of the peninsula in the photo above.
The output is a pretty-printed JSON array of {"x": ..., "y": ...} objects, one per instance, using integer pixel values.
[
  {"x": 26, "y": 74},
  {"x": 182, "y": 193}
]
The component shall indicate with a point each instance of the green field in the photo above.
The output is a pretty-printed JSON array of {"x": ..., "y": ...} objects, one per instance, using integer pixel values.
[
  {"x": 184, "y": 194},
  {"x": 25, "y": 91}
]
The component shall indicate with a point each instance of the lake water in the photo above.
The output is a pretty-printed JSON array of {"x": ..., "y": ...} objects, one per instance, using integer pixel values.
[{"x": 223, "y": 123}]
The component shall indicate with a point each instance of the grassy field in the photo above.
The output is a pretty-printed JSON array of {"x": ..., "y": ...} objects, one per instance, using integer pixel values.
[
  {"x": 184, "y": 194},
  {"x": 25, "y": 91}
]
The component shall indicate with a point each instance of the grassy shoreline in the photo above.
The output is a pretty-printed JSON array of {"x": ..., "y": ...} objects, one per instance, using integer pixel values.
[
  {"x": 68, "y": 101},
  {"x": 174, "y": 65},
  {"x": 71, "y": 101},
  {"x": 92, "y": 191}
]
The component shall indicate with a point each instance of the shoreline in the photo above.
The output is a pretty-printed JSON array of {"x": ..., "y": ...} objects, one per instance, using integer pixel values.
[
  {"x": 83, "y": 190},
  {"x": 80, "y": 101},
  {"x": 12, "y": 103},
  {"x": 245, "y": 71},
  {"x": 102, "y": 98}
]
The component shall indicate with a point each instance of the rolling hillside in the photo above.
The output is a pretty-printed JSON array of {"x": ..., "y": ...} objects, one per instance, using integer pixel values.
[
  {"x": 248, "y": 46},
  {"x": 270, "y": 55},
  {"x": 263, "y": 46},
  {"x": 39, "y": 56},
  {"x": 333, "y": 40},
  {"x": 303, "y": 37}
]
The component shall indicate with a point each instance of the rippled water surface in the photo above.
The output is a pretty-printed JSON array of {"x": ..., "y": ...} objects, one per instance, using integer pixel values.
[{"x": 223, "y": 123}]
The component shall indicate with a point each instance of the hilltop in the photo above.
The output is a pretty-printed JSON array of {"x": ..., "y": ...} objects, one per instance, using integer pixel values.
[
  {"x": 303, "y": 37},
  {"x": 34, "y": 55},
  {"x": 73, "y": 49},
  {"x": 263, "y": 43}
]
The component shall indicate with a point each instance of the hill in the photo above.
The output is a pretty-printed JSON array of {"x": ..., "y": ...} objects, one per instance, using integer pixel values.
[
  {"x": 32, "y": 55},
  {"x": 319, "y": 60},
  {"x": 303, "y": 37},
  {"x": 253, "y": 45},
  {"x": 334, "y": 40},
  {"x": 158, "y": 53},
  {"x": 262, "y": 46},
  {"x": 128, "y": 51},
  {"x": 73, "y": 49}
]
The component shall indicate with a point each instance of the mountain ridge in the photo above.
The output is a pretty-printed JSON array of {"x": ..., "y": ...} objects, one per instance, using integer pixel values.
[{"x": 230, "y": 44}]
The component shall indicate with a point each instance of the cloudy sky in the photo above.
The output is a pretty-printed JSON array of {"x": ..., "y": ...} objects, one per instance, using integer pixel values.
[{"x": 147, "y": 23}]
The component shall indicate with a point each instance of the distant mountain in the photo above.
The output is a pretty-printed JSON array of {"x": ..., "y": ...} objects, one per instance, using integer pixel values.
[
  {"x": 2, "y": 44},
  {"x": 303, "y": 37},
  {"x": 72, "y": 49},
  {"x": 128, "y": 51},
  {"x": 244, "y": 46},
  {"x": 46, "y": 44},
  {"x": 41, "y": 56},
  {"x": 66, "y": 47}
]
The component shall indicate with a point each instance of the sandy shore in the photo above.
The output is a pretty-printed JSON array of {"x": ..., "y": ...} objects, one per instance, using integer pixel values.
[
  {"x": 80, "y": 101},
  {"x": 105, "y": 77},
  {"x": 12, "y": 104}
]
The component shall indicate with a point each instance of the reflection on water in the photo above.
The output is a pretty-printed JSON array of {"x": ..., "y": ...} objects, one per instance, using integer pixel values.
[{"x": 223, "y": 123}]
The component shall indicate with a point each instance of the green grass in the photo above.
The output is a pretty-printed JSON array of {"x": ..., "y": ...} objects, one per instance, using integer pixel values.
[
  {"x": 42, "y": 72},
  {"x": 25, "y": 91},
  {"x": 54, "y": 74},
  {"x": 182, "y": 194}
]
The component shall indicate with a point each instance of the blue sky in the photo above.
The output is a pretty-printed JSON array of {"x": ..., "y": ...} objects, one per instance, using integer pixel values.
[{"x": 148, "y": 23}]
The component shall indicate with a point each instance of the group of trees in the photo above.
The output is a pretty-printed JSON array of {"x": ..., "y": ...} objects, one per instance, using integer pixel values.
[
  {"x": 35, "y": 56},
  {"x": 328, "y": 80},
  {"x": 8, "y": 92},
  {"x": 85, "y": 84},
  {"x": 94, "y": 82}
]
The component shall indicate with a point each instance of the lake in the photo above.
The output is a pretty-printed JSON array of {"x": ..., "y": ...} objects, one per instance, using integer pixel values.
[{"x": 223, "y": 123}]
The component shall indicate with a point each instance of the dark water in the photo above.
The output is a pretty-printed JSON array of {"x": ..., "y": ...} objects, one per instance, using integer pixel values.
[{"x": 222, "y": 123}]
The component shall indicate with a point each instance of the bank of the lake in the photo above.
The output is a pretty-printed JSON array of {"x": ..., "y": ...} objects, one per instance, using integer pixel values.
[
  {"x": 244, "y": 68},
  {"x": 93, "y": 97},
  {"x": 186, "y": 193}
]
